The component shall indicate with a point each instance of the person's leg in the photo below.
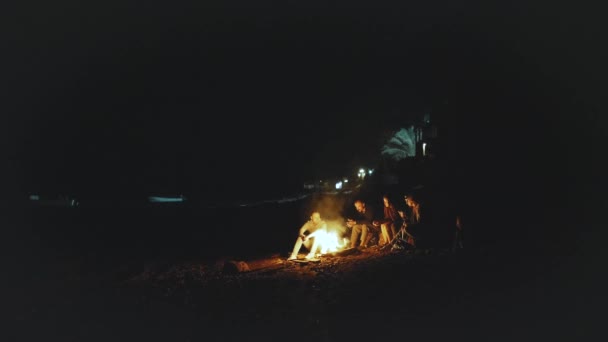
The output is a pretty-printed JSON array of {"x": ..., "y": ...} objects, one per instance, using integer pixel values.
[
  {"x": 313, "y": 248},
  {"x": 415, "y": 239},
  {"x": 308, "y": 243},
  {"x": 393, "y": 230},
  {"x": 365, "y": 237},
  {"x": 354, "y": 235},
  {"x": 457, "y": 241},
  {"x": 410, "y": 239},
  {"x": 296, "y": 248},
  {"x": 386, "y": 238}
]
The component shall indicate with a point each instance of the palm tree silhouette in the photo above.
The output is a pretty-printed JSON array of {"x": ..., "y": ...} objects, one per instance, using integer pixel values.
[{"x": 401, "y": 145}]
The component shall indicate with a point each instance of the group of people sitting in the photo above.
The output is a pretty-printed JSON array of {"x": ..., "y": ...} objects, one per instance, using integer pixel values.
[{"x": 415, "y": 225}]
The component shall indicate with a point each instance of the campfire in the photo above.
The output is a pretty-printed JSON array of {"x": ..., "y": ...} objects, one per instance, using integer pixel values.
[{"x": 329, "y": 240}]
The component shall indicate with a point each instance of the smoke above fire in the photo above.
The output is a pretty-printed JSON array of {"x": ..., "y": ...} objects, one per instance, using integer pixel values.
[{"x": 330, "y": 207}]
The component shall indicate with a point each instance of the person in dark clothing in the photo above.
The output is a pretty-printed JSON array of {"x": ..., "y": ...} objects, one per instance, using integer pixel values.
[
  {"x": 431, "y": 224},
  {"x": 361, "y": 224},
  {"x": 388, "y": 223},
  {"x": 458, "y": 242},
  {"x": 411, "y": 219}
]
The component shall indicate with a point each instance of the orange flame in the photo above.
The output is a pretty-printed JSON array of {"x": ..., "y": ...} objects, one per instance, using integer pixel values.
[{"x": 329, "y": 241}]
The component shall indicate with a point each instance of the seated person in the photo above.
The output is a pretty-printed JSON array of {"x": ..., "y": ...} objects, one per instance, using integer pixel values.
[
  {"x": 430, "y": 225},
  {"x": 413, "y": 219},
  {"x": 311, "y": 226},
  {"x": 388, "y": 223},
  {"x": 458, "y": 242},
  {"x": 361, "y": 224}
]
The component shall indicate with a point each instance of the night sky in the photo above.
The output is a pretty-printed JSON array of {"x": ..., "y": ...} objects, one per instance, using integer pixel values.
[{"x": 202, "y": 98}]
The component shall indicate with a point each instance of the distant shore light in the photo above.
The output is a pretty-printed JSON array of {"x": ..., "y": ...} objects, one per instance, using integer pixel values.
[
  {"x": 159, "y": 199},
  {"x": 362, "y": 173}
]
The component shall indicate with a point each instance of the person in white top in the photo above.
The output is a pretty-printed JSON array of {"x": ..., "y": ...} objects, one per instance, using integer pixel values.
[{"x": 308, "y": 240}]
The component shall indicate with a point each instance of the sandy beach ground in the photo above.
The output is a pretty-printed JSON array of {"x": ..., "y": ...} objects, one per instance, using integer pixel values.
[{"x": 108, "y": 282}]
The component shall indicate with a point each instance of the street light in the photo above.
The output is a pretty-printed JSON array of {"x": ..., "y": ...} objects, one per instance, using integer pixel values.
[{"x": 361, "y": 173}]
